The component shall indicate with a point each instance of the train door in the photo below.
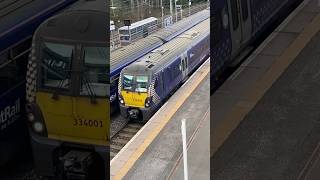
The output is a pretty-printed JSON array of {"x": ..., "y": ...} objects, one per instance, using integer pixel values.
[
  {"x": 245, "y": 20},
  {"x": 240, "y": 23},
  {"x": 184, "y": 65},
  {"x": 234, "y": 25}
]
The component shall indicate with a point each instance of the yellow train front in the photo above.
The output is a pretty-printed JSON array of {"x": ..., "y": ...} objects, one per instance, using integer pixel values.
[
  {"x": 135, "y": 97},
  {"x": 67, "y": 94}
]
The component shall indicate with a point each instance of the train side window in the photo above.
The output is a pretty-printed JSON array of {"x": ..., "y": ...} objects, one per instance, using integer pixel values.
[
  {"x": 234, "y": 10},
  {"x": 244, "y": 6}
]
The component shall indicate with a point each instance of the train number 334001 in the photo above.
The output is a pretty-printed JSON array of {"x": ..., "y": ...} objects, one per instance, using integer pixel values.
[{"x": 88, "y": 123}]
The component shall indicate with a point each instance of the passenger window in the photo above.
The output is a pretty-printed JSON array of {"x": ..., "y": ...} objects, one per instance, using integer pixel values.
[
  {"x": 244, "y": 6},
  {"x": 234, "y": 10}
]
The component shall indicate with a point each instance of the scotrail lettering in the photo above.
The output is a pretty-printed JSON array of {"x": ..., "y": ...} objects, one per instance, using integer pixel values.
[{"x": 9, "y": 114}]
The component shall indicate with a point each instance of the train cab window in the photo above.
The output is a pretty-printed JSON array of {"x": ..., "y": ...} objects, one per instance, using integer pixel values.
[
  {"x": 244, "y": 7},
  {"x": 235, "y": 18},
  {"x": 56, "y": 65},
  {"x": 95, "y": 78},
  {"x": 135, "y": 83},
  {"x": 141, "y": 84},
  {"x": 127, "y": 82}
]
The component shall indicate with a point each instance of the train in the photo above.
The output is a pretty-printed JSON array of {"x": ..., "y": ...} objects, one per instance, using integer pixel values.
[
  {"x": 67, "y": 93},
  {"x": 124, "y": 56},
  {"x": 148, "y": 82},
  {"x": 237, "y": 25},
  {"x": 19, "y": 19}
]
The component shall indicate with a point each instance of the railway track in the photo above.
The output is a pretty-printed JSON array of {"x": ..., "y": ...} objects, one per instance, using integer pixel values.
[{"x": 122, "y": 137}]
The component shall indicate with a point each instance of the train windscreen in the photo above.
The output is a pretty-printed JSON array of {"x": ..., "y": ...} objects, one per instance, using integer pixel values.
[
  {"x": 56, "y": 65},
  {"x": 95, "y": 78},
  {"x": 137, "y": 83}
]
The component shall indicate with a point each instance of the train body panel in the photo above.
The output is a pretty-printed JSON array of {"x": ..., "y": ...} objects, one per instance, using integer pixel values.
[
  {"x": 162, "y": 71},
  {"x": 74, "y": 119}
]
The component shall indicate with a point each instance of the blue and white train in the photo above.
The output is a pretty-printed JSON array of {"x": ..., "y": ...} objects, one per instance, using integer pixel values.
[
  {"x": 18, "y": 21},
  {"x": 124, "y": 56},
  {"x": 147, "y": 83}
]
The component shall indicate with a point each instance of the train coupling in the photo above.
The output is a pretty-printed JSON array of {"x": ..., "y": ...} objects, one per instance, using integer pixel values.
[
  {"x": 134, "y": 114},
  {"x": 76, "y": 165}
]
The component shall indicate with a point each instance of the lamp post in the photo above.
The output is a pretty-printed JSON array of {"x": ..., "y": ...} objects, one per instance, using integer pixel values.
[
  {"x": 171, "y": 7},
  {"x": 161, "y": 13},
  {"x": 189, "y": 7},
  {"x": 175, "y": 7}
]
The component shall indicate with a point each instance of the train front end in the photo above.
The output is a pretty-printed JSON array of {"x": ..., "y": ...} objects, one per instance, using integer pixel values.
[
  {"x": 136, "y": 93},
  {"x": 68, "y": 96}
]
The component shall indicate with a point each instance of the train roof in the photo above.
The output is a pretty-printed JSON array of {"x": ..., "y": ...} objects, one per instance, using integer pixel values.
[
  {"x": 158, "y": 58},
  {"x": 81, "y": 23},
  {"x": 174, "y": 30},
  {"x": 139, "y": 23},
  {"x": 19, "y": 18},
  {"x": 125, "y": 55}
]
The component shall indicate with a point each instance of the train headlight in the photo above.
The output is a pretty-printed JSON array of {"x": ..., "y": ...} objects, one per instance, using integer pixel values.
[
  {"x": 121, "y": 99},
  {"x": 38, "y": 127},
  {"x": 31, "y": 117},
  {"x": 147, "y": 102}
]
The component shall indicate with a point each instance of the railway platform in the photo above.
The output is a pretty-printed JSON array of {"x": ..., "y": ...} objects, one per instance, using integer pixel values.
[
  {"x": 155, "y": 152},
  {"x": 266, "y": 115}
]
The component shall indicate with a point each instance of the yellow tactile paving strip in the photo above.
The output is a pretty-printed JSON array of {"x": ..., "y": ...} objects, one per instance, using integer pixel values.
[{"x": 259, "y": 88}]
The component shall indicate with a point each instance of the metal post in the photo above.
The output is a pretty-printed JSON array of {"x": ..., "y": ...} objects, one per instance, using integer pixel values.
[
  {"x": 184, "y": 145},
  {"x": 171, "y": 7},
  {"x": 175, "y": 7},
  {"x": 189, "y": 7},
  {"x": 129, "y": 34},
  {"x": 161, "y": 14}
]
